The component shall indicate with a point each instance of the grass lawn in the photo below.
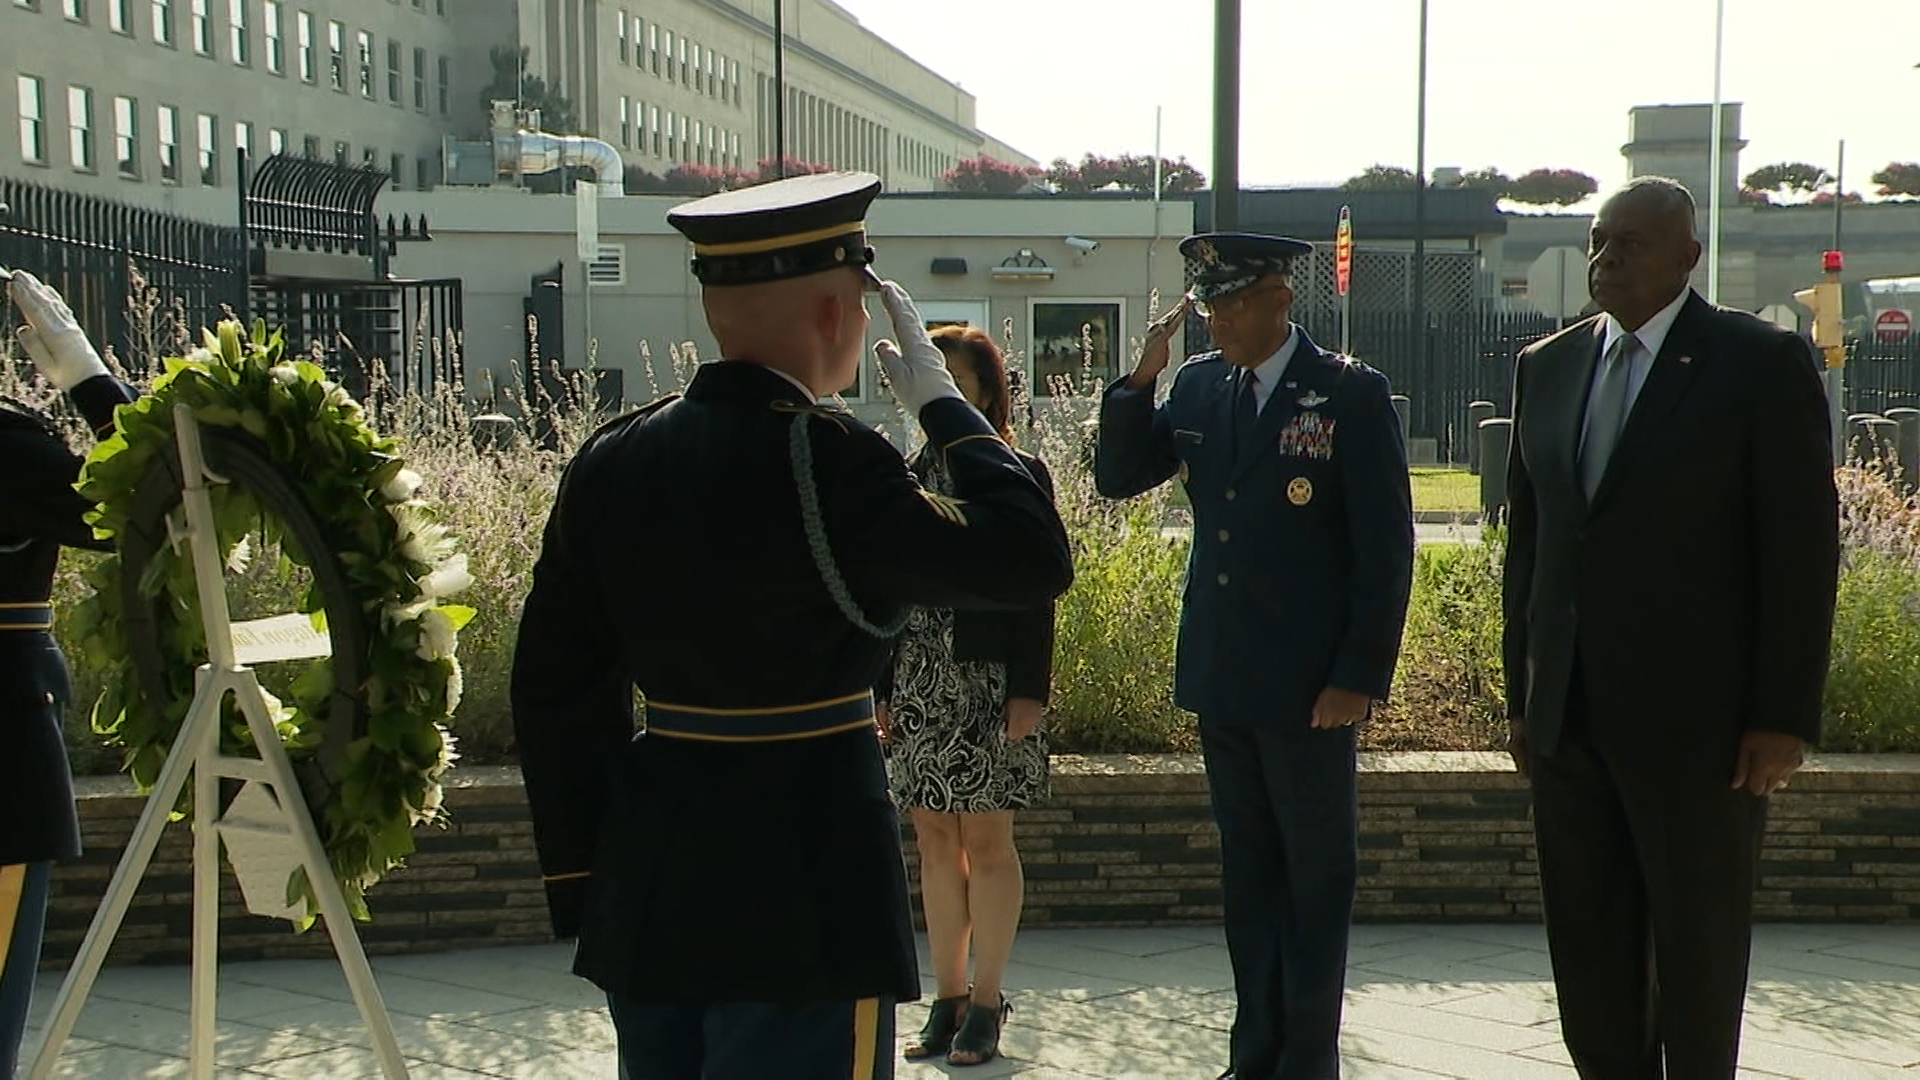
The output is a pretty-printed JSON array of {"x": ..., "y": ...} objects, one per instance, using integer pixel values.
[{"x": 1434, "y": 488}]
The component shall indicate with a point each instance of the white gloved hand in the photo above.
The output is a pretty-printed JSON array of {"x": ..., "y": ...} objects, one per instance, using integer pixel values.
[
  {"x": 52, "y": 336},
  {"x": 916, "y": 370}
]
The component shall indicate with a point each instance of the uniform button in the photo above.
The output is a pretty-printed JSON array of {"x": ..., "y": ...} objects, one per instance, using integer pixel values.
[
  {"x": 49, "y": 697},
  {"x": 1231, "y": 494},
  {"x": 1223, "y": 579},
  {"x": 1225, "y": 536}
]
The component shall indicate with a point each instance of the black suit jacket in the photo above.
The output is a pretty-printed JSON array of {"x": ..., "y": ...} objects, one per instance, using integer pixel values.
[
  {"x": 1695, "y": 594},
  {"x": 1022, "y": 638}
]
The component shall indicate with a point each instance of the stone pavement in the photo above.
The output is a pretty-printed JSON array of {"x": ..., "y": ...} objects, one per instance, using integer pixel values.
[{"x": 1468, "y": 1002}]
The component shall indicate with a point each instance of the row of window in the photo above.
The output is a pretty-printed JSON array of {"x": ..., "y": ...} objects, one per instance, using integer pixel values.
[
  {"x": 273, "y": 37},
  {"x": 83, "y": 136},
  {"x": 646, "y": 46},
  {"x": 651, "y": 130}
]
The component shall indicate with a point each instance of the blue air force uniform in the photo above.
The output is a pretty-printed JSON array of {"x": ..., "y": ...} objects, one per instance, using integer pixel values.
[
  {"x": 39, "y": 513},
  {"x": 1298, "y": 581},
  {"x": 744, "y": 556}
]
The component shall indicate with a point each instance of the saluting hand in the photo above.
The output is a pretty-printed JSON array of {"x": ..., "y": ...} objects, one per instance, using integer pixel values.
[
  {"x": 916, "y": 370},
  {"x": 1339, "y": 708},
  {"x": 1158, "y": 351},
  {"x": 52, "y": 336}
]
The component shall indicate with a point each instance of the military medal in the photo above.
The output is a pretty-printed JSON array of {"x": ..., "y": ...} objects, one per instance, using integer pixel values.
[{"x": 1300, "y": 491}]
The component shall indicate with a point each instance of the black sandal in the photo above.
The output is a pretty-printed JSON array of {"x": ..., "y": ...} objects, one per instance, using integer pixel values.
[
  {"x": 936, "y": 1036},
  {"x": 979, "y": 1034}
]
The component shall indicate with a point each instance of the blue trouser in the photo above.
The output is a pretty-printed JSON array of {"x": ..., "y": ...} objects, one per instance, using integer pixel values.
[
  {"x": 23, "y": 917},
  {"x": 842, "y": 1040},
  {"x": 1288, "y": 810}
]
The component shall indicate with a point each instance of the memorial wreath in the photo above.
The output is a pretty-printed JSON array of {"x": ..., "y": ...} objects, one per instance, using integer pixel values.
[{"x": 300, "y": 466}]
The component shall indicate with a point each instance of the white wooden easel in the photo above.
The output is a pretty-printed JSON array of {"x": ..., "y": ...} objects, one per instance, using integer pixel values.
[{"x": 198, "y": 749}]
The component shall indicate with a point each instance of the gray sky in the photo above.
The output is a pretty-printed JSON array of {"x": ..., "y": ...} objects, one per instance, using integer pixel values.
[{"x": 1329, "y": 87}]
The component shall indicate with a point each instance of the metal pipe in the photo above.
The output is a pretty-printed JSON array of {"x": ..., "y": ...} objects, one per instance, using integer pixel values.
[
  {"x": 1713, "y": 157},
  {"x": 1420, "y": 202},
  {"x": 1226, "y": 115},
  {"x": 779, "y": 90},
  {"x": 538, "y": 152}
]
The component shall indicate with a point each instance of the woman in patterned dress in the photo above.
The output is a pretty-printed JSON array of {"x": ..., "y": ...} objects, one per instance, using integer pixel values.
[{"x": 960, "y": 710}]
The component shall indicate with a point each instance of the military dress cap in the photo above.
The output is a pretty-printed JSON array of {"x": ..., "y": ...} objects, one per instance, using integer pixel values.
[
  {"x": 786, "y": 229},
  {"x": 1224, "y": 263}
]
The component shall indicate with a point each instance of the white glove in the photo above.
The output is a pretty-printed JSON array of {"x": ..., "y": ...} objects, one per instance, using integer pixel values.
[
  {"x": 920, "y": 375},
  {"x": 59, "y": 348}
]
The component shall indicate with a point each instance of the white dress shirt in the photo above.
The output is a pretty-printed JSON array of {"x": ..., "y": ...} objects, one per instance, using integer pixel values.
[
  {"x": 1652, "y": 335},
  {"x": 1270, "y": 371}
]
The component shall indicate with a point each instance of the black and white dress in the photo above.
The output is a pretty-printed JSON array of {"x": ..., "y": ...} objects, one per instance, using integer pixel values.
[{"x": 950, "y": 752}]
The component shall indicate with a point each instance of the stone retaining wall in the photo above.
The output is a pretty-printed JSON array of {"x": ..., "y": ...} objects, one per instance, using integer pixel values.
[{"x": 1127, "y": 840}]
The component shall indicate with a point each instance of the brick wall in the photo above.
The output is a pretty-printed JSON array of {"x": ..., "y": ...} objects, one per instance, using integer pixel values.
[{"x": 1126, "y": 840}]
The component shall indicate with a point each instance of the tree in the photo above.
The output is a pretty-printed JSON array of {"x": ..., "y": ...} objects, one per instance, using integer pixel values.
[
  {"x": 1381, "y": 178},
  {"x": 794, "y": 167},
  {"x": 1488, "y": 179},
  {"x": 1750, "y": 197},
  {"x": 989, "y": 176},
  {"x": 1790, "y": 177},
  {"x": 557, "y": 115},
  {"x": 1898, "y": 179},
  {"x": 1825, "y": 198},
  {"x": 1552, "y": 187}
]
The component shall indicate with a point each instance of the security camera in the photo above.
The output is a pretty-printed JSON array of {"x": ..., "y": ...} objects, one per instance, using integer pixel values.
[{"x": 1083, "y": 245}]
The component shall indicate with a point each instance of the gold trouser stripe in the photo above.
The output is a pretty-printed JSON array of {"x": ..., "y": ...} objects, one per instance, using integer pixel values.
[
  {"x": 12, "y": 606},
  {"x": 866, "y": 1036},
  {"x": 775, "y": 243},
  {"x": 568, "y": 877},
  {"x": 13, "y": 885},
  {"x": 671, "y": 733}
]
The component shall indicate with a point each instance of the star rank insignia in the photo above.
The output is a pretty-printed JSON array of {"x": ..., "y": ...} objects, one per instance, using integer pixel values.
[
  {"x": 1207, "y": 253},
  {"x": 947, "y": 507}
]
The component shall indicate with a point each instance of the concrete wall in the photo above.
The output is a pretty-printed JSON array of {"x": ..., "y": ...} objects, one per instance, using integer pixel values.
[{"x": 496, "y": 241}]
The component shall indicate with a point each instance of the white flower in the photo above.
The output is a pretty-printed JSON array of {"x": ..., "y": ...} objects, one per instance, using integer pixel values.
[
  {"x": 285, "y": 374},
  {"x": 437, "y": 635},
  {"x": 240, "y": 557},
  {"x": 421, "y": 539},
  {"x": 401, "y": 487},
  {"x": 401, "y": 614},
  {"x": 200, "y": 356},
  {"x": 455, "y": 686},
  {"x": 451, "y": 578}
]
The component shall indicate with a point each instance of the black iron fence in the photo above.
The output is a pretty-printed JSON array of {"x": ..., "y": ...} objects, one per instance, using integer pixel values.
[
  {"x": 1882, "y": 375},
  {"x": 134, "y": 277}
]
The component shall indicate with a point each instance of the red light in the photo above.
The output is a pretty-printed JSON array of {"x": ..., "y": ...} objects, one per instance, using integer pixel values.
[{"x": 1833, "y": 262}]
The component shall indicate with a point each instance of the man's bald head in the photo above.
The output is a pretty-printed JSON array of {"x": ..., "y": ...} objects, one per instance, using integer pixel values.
[
  {"x": 1641, "y": 250},
  {"x": 812, "y": 327}
]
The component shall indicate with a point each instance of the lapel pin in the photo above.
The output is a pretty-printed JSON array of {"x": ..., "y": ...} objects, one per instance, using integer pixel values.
[{"x": 1686, "y": 359}]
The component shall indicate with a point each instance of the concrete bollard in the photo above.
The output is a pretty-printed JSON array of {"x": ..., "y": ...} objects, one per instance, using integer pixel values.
[
  {"x": 1907, "y": 447},
  {"x": 493, "y": 431},
  {"x": 1858, "y": 439},
  {"x": 1403, "y": 407},
  {"x": 1879, "y": 443},
  {"x": 1495, "y": 433},
  {"x": 1476, "y": 412}
]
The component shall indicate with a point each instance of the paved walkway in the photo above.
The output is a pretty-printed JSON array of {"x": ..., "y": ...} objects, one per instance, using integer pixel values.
[{"x": 1475, "y": 1003}]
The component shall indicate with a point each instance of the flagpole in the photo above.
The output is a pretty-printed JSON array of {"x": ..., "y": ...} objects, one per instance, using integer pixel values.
[{"x": 1713, "y": 156}]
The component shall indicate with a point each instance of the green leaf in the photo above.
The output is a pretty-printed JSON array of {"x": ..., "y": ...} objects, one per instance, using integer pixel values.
[{"x": 458, "y": 614}]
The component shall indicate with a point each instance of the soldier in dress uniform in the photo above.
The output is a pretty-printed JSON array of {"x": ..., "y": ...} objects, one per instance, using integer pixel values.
[
  {"x": 1296, "y": 595},
  {"x": 39, "y": 512},
  {"x": 743, "y": 554}
]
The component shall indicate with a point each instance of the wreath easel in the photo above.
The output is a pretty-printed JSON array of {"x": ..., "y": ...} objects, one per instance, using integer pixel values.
[{"x": 233, "y": 437}]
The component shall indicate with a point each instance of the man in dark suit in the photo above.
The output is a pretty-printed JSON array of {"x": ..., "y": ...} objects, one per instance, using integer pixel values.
[
  {"x": 743, "y": 554},
  {"x": 1296, "y": 596},
  {"x": 1671, "y": 562}
]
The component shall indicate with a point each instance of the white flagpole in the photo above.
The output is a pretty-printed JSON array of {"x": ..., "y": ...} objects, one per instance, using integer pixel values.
[{"x": 1713, "y": 157}]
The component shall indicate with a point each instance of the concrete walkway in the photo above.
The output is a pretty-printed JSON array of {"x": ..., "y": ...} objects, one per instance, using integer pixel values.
[{"x": 1468, "y": 1002}]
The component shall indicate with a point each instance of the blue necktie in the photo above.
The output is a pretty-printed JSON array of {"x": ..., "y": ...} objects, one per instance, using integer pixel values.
[
  {"x": 1246, "y": 411},
  {"x": 1609, "y": 413}
]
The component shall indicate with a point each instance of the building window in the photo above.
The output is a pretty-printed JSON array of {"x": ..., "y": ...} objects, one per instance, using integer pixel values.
[
  {"x": 737, "y": 163},
  {"x": 202, "y": 28},
  {"x": 364, "y": 41},
  {"x": 713, "y": 81},
  {"x": 393, "y": 72},
  {"x": 653, "y": 48},
  {"x": 337, "y": 53},
  {"x": 276, "y": 47},
  {"x": 76, "y": 10},
  {"x": 310, "y": 147},
  {"x": 126, "y": 136},
  {"x": 422, "y": 174},
  {"x": 308, "y": 68},
  {"x": 693, "y": 148},
  {"x": 625, "y": 53},
  {"x": 733, "y": 80},
  {"x": 120, "y": 16},
  {"x": 237, "y": 42},
  {"x": 163, "y": 22},
  {"x": 673, "y": 144},
  {"x": 209, "y": 132},
  {"x": 444, "y": 80},
  {"x": 396, "y": 167},
  {"x": 341, "y": 152},
  {"x": 33, "y": 120},
  {"x": 243, "y": 137},
  {"x": 685, "y": 79},
  {"x": 80, "y": 128},
  {"x": 169, "y": 136},
  {"x": 276, "y": 141},
  {"x": 626, "y": 123},
  {"x": 1056, "y": 346},
  {"x": 420, "y": 79},
  {"x": 369, "y": 158},
  {"x": 653, "y": 130},
  {"x": 668, "y": 49}
]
